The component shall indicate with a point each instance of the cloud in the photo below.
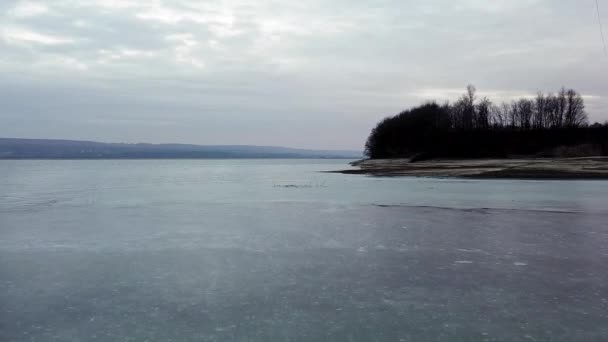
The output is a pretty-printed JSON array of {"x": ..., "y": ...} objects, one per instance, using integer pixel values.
[
  {"x": 26, "y": 9},
  {"x": 452, "y": 94},
  {"x": 497, "y": 6},
  {"x": 314, "y": 67},
  {"x": 18, "y": 36},
  {"x": 184, "y": 49}
]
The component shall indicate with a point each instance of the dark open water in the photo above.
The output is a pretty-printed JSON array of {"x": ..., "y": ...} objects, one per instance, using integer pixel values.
[{"x": 272, "y": 250}]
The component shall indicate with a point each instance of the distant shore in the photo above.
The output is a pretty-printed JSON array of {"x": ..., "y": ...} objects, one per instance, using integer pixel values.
[{"x": 545, "y": 168}]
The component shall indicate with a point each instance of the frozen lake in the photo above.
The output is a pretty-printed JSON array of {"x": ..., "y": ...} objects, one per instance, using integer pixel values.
[{"x": 273, "y": 250}]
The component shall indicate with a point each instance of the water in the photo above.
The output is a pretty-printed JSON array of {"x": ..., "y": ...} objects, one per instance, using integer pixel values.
[{"x": 273, "y": 250}]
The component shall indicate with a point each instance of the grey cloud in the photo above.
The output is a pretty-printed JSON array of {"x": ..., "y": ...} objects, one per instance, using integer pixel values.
[{"x": 244, "y": 72}]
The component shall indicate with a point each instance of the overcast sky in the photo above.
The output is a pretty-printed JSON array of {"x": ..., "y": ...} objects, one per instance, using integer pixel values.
[{"x": 313, "y": 74}]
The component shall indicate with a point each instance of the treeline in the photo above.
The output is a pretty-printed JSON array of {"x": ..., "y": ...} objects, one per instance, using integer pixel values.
[{"x": 545, "y": 125}]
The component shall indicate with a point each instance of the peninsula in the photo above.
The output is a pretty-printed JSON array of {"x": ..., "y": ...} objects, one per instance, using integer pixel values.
[{"x": 546, "y": 137}]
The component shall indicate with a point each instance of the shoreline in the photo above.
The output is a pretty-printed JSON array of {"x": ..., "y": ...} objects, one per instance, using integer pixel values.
[{"x": 520, "y": 168}]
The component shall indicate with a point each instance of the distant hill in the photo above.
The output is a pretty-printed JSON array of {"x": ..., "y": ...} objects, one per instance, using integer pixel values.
[{"x": 11, "y": 148}]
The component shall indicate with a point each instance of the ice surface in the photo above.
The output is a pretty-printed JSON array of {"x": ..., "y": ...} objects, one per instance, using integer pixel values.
[{"x": 211, "y": 251}]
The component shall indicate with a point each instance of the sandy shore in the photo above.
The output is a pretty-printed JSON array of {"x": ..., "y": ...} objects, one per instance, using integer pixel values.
[{"x": 563, "y": 168}]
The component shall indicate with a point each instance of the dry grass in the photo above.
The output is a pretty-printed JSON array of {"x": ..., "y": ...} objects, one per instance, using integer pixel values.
[{"x": 544, "y": 168}]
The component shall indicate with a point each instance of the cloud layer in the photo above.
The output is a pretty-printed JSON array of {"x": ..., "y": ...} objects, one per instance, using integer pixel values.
[{"x": 310, "y": 74}]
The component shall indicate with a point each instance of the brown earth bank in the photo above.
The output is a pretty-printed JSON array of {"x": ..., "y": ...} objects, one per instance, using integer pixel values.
[{"x": 521, "y": 168}]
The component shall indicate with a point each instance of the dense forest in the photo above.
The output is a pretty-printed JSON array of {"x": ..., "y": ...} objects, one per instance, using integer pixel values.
[{"x": 551, "y": 125}]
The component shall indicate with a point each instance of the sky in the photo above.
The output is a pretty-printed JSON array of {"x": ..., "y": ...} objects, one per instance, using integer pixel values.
[{"x": 309, "y": 74}]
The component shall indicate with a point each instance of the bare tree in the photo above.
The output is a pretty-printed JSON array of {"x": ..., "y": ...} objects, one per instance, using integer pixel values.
[
  {"x": 575, "y": 115},
  {"x": 497, "y": 119},
  {"x": 468, "y": 102},
  {"x": 483, "y": 114},
  {"x": 540, "y": 114},
  {"x": 525, "y": 108},
  {"x": 560, "y": 108},
  {"x": 514, "y": 114},
  {"x": 506, "y": 117}
]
